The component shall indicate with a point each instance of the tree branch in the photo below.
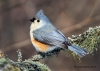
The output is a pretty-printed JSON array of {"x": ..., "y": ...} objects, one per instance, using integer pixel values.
[{"x": 89, "y": 40}]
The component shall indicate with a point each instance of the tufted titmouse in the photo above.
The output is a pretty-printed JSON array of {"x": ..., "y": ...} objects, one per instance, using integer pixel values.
[{"x": 45, "y": 37}]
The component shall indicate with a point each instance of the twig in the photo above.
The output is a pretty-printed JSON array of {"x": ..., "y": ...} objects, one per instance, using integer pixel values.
[
  {"x": 19, "y": 56},
  {"x": 93, "y": 9},
  {"x": 83, "y": 23},
  {"x": 17, "y": 45},
  {"x": 80, "y": 25}
]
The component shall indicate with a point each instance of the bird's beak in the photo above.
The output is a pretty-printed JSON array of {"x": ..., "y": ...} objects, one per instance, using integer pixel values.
[{"x": 32, "y": 20}]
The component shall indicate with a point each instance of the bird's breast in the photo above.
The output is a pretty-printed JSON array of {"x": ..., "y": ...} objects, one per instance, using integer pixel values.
[{"x": 39, "y": 46}]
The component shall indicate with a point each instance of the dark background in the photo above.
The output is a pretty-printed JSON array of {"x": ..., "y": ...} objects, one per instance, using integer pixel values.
[{"x": 71, "y": 17}]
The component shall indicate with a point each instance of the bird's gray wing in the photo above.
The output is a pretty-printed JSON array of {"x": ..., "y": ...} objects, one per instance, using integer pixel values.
[{"x": 53, "y": 38}]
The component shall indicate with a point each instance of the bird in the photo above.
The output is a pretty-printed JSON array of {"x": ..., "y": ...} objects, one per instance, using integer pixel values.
[{"x": 45, "y": 37}]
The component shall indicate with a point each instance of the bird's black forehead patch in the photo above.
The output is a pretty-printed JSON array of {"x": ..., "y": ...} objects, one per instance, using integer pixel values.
[{"x": 32, "y": 20}]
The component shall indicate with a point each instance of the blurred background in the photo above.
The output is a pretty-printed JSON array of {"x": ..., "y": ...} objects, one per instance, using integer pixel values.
[{"x": 71, "y": 17}]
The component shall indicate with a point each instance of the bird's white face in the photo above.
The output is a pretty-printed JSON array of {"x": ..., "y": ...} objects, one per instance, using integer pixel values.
[{"x": 36, "y": 25}]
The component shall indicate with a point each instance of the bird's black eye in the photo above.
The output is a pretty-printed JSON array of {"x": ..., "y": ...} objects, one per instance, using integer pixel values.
[{"x": 38, "y": 20}]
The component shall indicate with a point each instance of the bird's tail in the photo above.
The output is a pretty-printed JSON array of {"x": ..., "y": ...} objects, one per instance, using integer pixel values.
[{"x": 78, "y": 50}]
